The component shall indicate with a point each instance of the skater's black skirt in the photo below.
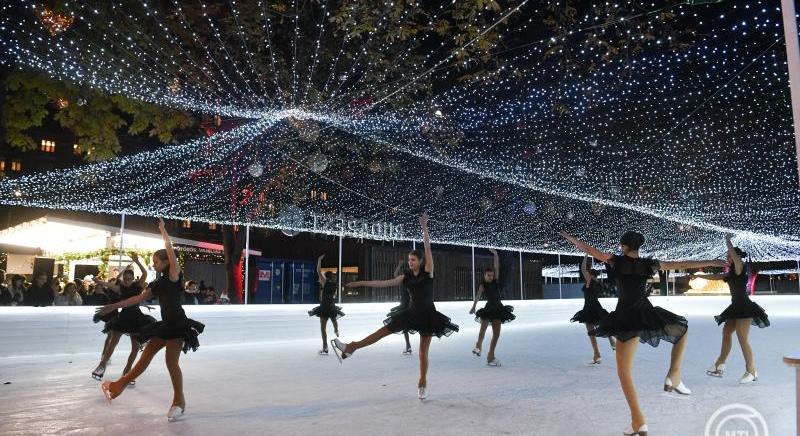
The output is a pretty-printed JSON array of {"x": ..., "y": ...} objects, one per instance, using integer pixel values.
[
  {"x": 327, "y": 311},
  {"x": 650, "y": 324},
  {"x": 130, "y": 320},
  {"x": 105, "y": 318},
  {"x": 591, "y": 313},
  {"x": 187, "y": 329},
  {"x": 426, "y": 322},
  {"x": 744, "y": 309},
  {"x": 495, "y": 312},
  {"x": 396, "y": 309}
]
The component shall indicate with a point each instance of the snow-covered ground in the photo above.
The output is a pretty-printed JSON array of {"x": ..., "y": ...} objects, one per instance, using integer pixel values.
[{"x": 257, "y": 372}]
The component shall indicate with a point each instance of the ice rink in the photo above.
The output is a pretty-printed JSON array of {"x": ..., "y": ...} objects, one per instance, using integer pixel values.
[{"x": 257, "y": 372}]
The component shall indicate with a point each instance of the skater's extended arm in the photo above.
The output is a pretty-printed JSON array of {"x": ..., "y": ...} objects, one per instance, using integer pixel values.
[
  {"x": 108, "y": 285},
  {"x": 133, "y": 301},
  {"x": 585, "y": 271},
  {"x": 426, "y": 241},
  {"x": 586, "y": 248},
  {"x": 174, "y": 272},
  {"x": 320, "y": 276},
  {"x": 397, "y": 281},
  {"x": 737, "y": 260},
  {"x": 496, "y": 264},
  {"x": 399, "y": 270},
  {"x": 142, "y": 282},
  {"x": 477, "y": 297}
]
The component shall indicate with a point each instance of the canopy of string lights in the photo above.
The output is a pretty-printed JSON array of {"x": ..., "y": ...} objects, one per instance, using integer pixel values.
[{"x": 507, "y": 126}]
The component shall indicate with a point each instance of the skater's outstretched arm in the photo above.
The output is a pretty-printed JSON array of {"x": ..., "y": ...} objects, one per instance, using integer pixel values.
[
  {"x": 108, "y": 285},
  {"x": 586, "y": 248},
  {"x": 142, "y": 282},
  {"x": 320, "y": 276},
  {"x": 585, "y": 271},
  {"x": 737, "y": 260},
  {"x": 174, "y": 271},
  {"x": 496, "y": 264},
  {"x": 397, "y": 281},
  {"x": 133, "y": 301},
  {"x": 477, "y": 297},
  {"x": 399, "y": 270},
  {"x": 426, "y": 241}
]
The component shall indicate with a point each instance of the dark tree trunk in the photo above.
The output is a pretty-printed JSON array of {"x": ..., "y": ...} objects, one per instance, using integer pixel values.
[{"x": 233, "y": 244}]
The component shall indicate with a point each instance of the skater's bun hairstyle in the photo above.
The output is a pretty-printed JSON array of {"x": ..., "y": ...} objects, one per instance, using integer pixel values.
[
  {"x": 632, "y": 240},
  {"x": 594, "y": 273},
  {"x": 329, "y": 275},
  {"x": 418, "y": 254},
  {"x": 127, "y": 271}
]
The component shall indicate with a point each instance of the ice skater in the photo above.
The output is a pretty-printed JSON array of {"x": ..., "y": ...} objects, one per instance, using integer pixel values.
[
  {"x": 128, "y": 321},
  {"x": 327, "y": 309},
  {"x": 420, "y": 317},
  {"x": 494, "y": 312},
  {"x": 636, "y": 318},
  {"x": 175, "y": 331},
  {"x": 404, "y": 300},
  {"x": 592, "y": 311},
  {"x": 738, "y": 316}
]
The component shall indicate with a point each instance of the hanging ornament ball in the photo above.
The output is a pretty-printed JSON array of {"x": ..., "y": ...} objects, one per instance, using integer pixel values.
[
  {"x": 256, "y": 169},
  {"x": 374, "y": 167},
  {"x": 318, "y": 162},
  {"x": 439, "y": 190},
  {"x": 485, "y": 203},
  {"x": 570, "y": 215},
  {"x": 291, "y": 217},
  {"x": 290, "y": 233},
  {"x": 580, "y": 172},
  {"x": 529, "y": 208},
  {"x": 308, "y": 131},
  {"x": 81, "y": 101}
]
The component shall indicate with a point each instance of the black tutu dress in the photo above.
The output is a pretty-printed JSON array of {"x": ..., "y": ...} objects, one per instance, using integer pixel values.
[
  {"x": 634, "y": 315},
  {"x": 174, "y": 324},
  {"x": 592, "y": 311},
  {"x": 111, "y": 298},
  {"x": 421, "y": 315},
  {"x": 327, "y": 308},
  {"x": 130, "y": 319},
  {"x": 404, "y": 302},
  {"x": 494, "y": 310},
  {"x": 741, "y": 305}
]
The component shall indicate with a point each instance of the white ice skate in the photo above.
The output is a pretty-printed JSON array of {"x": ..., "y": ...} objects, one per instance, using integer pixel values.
[
  {"x": 339, "y": 348},
  {"x": 641, "y": 432},
  {"x": 716, "y": 370},
  {"x": 174, "y": 413},
  {"x": 681, "y": 388},
  {"x": 748, "y": 378}
]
